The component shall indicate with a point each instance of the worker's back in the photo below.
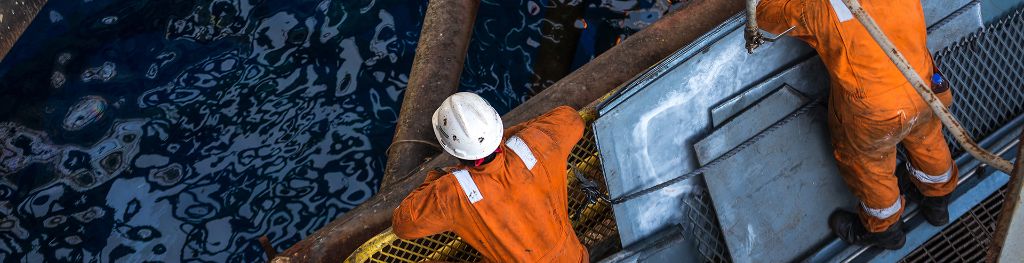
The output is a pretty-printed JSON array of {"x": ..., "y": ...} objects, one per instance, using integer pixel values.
[
  {"x": 513, "y": 209},
  {"x": 857, "y": 65}
]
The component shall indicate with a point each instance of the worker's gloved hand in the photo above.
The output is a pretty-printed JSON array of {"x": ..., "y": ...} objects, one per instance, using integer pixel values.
[{"x": 590, "y": 190}]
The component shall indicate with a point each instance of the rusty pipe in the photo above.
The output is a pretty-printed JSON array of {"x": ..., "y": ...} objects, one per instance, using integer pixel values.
[
  {"x": 440, "y": 56},
  {"x": 559, "y": 38},
  {"x": 619, "y": 64},
  {"x": 952, "y": 125},
  {"x": 751, "y": 33},
  {"x": 15, "y": 16}
]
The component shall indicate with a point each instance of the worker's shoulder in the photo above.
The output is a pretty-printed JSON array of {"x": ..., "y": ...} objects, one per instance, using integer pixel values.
[
  {"x": 446, "y": 181},
  {"x": 564, "y": 111},
  {"x": 559, "y": 118}
]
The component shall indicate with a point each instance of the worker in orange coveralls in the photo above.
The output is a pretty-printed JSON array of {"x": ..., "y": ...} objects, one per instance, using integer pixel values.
[
  {"x": 872, "y": 107},
  {"x": 508, "y": 198}
]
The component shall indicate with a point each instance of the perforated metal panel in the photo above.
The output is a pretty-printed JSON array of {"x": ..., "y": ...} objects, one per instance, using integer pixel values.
[
  {"x": 594, "y": 223},
  {"x": 986, "y": 71},
  {"x": 702, "y": 226}
]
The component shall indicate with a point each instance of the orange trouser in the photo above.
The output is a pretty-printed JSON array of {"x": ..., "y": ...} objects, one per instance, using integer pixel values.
[{"x": 865, "y": 131}]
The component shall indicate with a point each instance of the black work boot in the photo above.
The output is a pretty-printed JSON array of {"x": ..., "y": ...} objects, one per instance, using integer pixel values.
[
  {"x": 936, "y": 210},
  {"x": 847, "y": 226}
]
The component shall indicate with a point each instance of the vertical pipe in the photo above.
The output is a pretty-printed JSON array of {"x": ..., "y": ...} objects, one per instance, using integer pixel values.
[
  {"x": 557, "y": 49},
  {"x": 440, "y": 55},
  {"x": 751, "y": 33}
]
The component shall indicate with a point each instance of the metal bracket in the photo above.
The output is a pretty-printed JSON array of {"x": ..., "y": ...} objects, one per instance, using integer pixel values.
[{"x": 754, "y": 36}]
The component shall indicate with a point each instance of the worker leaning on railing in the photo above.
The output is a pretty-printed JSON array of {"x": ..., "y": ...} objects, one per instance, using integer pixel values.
[
  {"x": 872, "y": 108},
  {"x": 508, "y": 196}
]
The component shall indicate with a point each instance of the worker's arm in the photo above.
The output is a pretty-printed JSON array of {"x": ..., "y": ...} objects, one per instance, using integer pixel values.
[
  {"x": 422, "y": 212},
  {"x": 776, "y": 16},
  {"x": 519, "y": 127},
  {"x": 560, "y": 129},
  {"x": 434, "y": 175}
]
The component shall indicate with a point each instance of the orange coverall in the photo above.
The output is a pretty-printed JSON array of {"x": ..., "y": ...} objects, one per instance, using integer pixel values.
[
  {"x": 512, "y": 209},
  {"x": 871, "y": 105}
]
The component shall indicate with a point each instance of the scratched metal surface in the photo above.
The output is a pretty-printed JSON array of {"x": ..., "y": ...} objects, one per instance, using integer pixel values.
[{"x": 773, "y": 198}]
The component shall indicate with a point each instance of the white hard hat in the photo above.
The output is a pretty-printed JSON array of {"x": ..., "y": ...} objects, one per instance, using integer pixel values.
[{"x": 467, "y": 126}]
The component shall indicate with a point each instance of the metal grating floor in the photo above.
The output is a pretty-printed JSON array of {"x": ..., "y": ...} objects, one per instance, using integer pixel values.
[{"x": 965, "y": 240}]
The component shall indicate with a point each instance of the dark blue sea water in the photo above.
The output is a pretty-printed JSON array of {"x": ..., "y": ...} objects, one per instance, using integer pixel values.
[{"x": 183, "y": 130}]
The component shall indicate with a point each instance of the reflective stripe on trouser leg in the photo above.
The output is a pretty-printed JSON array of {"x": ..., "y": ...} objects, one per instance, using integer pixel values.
[
  {"x": 865, "y": 154},
  {"x": 931, "y": 167},
  {"x": 884, "y": 213},
  {"x": 930, "y": 179}
]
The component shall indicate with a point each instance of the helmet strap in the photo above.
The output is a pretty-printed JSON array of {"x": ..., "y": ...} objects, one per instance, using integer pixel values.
[{"x": 487, "y": 159}]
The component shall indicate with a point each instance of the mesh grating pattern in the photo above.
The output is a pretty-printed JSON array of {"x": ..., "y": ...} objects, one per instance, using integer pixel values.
[
  {"x": 701, "y": 225},
  {"x": 986, "y": 71},
  {"x": 967, "y": 239},
  {"x": 444, "y": 246},
  {"x": 595, "y": 226}
]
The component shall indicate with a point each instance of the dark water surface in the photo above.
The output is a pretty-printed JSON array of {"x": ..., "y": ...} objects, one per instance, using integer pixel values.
[{"x": 183, "y": 130}]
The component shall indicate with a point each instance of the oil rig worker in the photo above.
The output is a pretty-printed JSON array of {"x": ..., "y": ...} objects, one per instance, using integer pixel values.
[
  {"x": 872, "y": 108},
  {"x": 508, "y": 196}
]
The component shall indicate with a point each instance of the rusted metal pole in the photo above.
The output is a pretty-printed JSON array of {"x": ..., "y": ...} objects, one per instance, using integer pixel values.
[
  {"x": 557, "y": 49},
  {"x": 340, "y": 237},
  {"x": 751, "y": 33},
  {"x": 1009, "y": 226},
  {"x": 440, "y": 55},
  {"x": 15, "y": 16},
  {"x": 267, "y": 247},
  {"x": 952, "y": 125}
]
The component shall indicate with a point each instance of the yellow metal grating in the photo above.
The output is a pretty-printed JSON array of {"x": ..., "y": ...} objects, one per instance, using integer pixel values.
[{"x": 595, "y": 227}]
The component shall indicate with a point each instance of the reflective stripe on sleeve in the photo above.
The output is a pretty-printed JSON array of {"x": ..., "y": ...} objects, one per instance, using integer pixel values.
[
  {"x": 842, "y": 12},
  {"x": 930, "y": 179},
  {"x": 884, "y": 212},
  {"x": 519, "y": 146},
  {"x": 468, "y": 185}
]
